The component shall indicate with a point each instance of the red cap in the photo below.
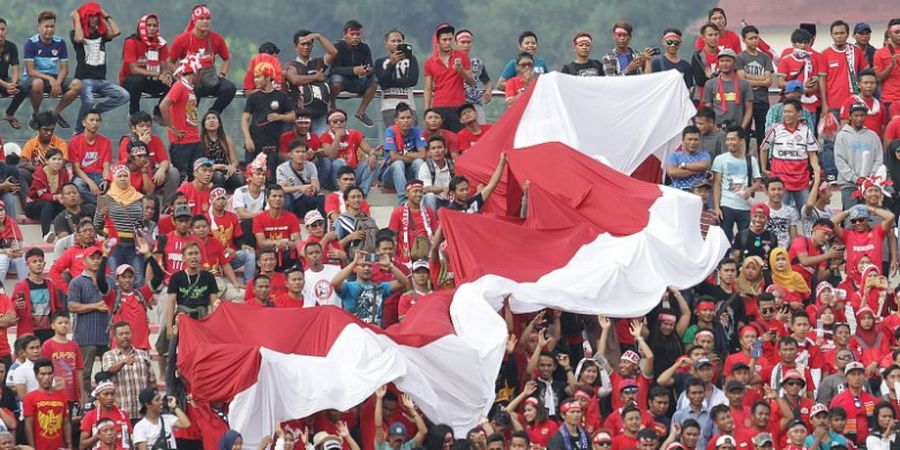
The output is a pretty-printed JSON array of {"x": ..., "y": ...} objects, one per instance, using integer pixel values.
[{"x": 760, "y": 208}]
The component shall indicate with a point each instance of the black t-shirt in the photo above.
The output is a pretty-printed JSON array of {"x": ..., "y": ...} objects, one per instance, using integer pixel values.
[
  {"x": 9, "y": 56},
  {"x": 752, "y": 244},
  {"x": 592, "y": 68},
  {"x": 661, "y": 63},
  {"x": 65, "y": 221},
  {"x": 192, "y": 291},
  {"x": 91, "y": 56},
  {"x": 729, "y": 310},
  {"x": 558, "y": 442},
  {"x": 472, "y": 205},
  {"x": 259, "y": 105},
  {"x": 313, "y": 97}
]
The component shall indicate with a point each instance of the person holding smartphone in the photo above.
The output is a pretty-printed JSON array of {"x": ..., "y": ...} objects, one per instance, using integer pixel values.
[{"x": 155, "y": 430}]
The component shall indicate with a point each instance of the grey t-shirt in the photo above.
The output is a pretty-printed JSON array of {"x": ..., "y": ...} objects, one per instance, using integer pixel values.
[
  {"x": 286, "y": 176},
  {"x": 735, "y": 103},
  {"x": 713, "y": 143},
  {"x": 756, "y": 65}
]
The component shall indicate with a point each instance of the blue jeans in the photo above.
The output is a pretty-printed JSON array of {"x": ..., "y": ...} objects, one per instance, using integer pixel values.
[
  {"x": 433, "y": 202},
  {"x": 796, "y": 199},
  {"x": 734, "y": 216},
  {"x": 85, "y": 190},
  {"x": 847, "y": 200},
  {"x": 247, "y": 260},
  {"x": 115, "y": 95},
  {"x": 827, "y": 154},
  {"x": 398, "y": 173},
  {"x": 364, "y": 175},
  {"x": 125, "y": 253}
]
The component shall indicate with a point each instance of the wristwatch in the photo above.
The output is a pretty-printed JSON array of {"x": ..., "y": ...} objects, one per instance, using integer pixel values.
[{"x": 682, "y": 165}]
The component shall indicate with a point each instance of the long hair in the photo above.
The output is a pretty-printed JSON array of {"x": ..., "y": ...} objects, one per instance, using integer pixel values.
[{"x": 221, "y": 137}]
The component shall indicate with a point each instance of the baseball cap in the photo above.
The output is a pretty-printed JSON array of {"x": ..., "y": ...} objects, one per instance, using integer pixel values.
[
  {"x": 703, "y": 182},
  {"x": 146, "y": 396},
  {"x": 762, "y": 438},
  {"x": 858, "y": 106},
  {"x": 181, "y": 211},
  {"x": 90, "y": 251},
  {"x": 123, "y": 268},
  {"x": 858, "y": 211},
  {"x": 217, "y": 193},
  {"x": 397, "y": 429},
  {"x": 674, "y": 446},
  {"x": 818, "y": 408},
  {"x": 725, "y": 439},
  {"x": 734, "y": 385},
  {"x": 328, "y": 441},
  {"x": 702, "y": 362},
  {"x": 269, "y": 48},
  {"x": 627, "y": 383},
  {"x": 420, "y": 264},
  {"x": 760, "y": 207},
  {"x": 200, "y": 162},
  {"x": 739, "y": 366},
  {"x": 312, "y": 217},
  {"x": 796, "y": 423},
  {"x": 793, "y": 86},
  {"x": 861, "y": 28},
  {"x": 602, "y": 436},
  {"x": 727, "y": 52},
  {"x": 854, "y": 365},
  {"x": 793, "y": 375}
]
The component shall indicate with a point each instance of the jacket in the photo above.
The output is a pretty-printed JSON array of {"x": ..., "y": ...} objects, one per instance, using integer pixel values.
[
  {"x": 853, "y": 150},
  {"x": 40, "y": 185}
]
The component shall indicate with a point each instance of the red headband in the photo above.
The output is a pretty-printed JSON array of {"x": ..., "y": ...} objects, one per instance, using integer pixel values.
[
  {"x": 463, "y": 34},
  {"x": 668, "y": 318},
  {"x": 581, "y": 39},
  {"x": 582, "y": 394},
  {"x": 706, "y": 305},
  {"x": 32, "y": 257},
  {"x": 570, "y": 406},
  {"x": 704, "y": 333},
  {"x": 621, "y": 30},
  {"x": 418, "y": 184},
  {"x": 337, "y": 114},
  {"x": 531, "y": 401},
  {"x": 671, "y": 35},
  {"x": 823, "y": 228}
]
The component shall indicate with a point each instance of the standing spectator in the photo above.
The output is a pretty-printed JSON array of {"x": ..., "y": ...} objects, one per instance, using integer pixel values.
[
  {"x": 404, "y": 149},
  {"x": 66, "y": 357},
  {"x": 277, "y": 228},
  {"x": 35, "y": 298},
  {"x": 583, "y": 65},
  {"x": 352, "y": 70},
  {"x": 202, "y": 44},
  {"x": 728, "y": 95},
  {"x": 160, "y": 169},
  {"x": 131, "y": 369},
  {"x": 447, "y": 72},
  {"x": 88, "y": 299},
  {"x": 727, "y": 39},
  {"x": 755, "y": 66},
  {"x": 793, "y": 148},
  {"x": 712, "y": 138},
  {"x": 622, "y": 59},
  {"x": 294, "y": 297},
  {"x": 461, "y": 200},
  {"x": 267, "y": 52},
  {"x": 218, "y": 146},
  {"x": 91, "y": 156},
  {"x": 179, "y": 113},
  {"x": 397, "y": 74},
  {"x": 342, "y": 146},
  {"x": 46, "y": 71},
  {"x": 671, "y": 41},
  {"x": 434, "y": 123},
  {"x": 876, "y": 116},
  {"x": 92, "y": 29},
  {"x": 528, "y": 43},
  {"x": 130, "y": 304},
  {"x": 306, "y": 78},
  {"x": 862, "y": 34},
  {"x": 192, "y": 292},
  {"x": 518, "y": 84},
  {"x": 690, "y": 165},
  {"x": 23, "y": 377},
  {"x": 225, "y": 226},
  {"x": 265, "y": 113},
  {"x": 860, "y": 238},
  {"x": 841, "y": 63},
  {"x": 705, "y": 62},
  {"x": 412, "y": 222},
  {"x": 472, "y": 130},
  {"x": 736, "y": 180},
  {"x": 9, "y": 82},
  {"x": 156, "y": 424},
  {"x": 887, "y": 65},
  {"x": 46, "y": 411},
  {"x": 436, "y": 174},
  {"x": 755, "y": 240},
  {"x": 420, "y": 286},
  {"x": 11, "y": 252},
  {"x": 802, "y": 64},
  {"x": 475, "y": 95},
  {"x": 818, "y": 206},
  {"x": 121, "y": 209},
  {"x": 300, "y": 180},
  {"x": 857, "y": 152},
  {"x": 363, "y": 298},
  {"x": 215, "y": 260},
  {"x": 858, "y": 403},
  {"x": 45, "y": 191},
  {"x": 145, "y": 63},
  {"x": 267, "y": 262}
]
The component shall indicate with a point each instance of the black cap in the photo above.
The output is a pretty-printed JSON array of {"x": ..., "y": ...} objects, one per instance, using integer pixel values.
[
  {"x": 861, "y": 28},
  {"x": 146, "y": 396},
  {"x": 269, "y": 48},
  {"x": 734, "y": 385}
]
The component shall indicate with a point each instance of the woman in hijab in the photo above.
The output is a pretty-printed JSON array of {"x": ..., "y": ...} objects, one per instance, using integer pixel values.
[
  {"x": 873, "y": 292},
  {"x": 795, "y": 288},
  {"x": 120, "y": 212},
  {"x": 750, "y": 283},
  {"x": 144, "y": 67}
]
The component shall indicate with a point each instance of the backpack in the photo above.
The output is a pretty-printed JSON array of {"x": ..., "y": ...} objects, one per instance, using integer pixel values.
[
  {"x": 369, "y": 228},
  {"x": 432, "y": 168}
]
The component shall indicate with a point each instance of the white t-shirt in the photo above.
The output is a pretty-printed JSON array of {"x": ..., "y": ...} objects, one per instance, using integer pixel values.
[
  {"x": 148, "y": 432},
  {"x": 441, "y": 176},
  {"x": 780, "y": 222},
  {"x": 24, "y": 374},
  {"x": 243, "y": 199},
  {"x": 318, "y": 289},
  {"x": 809, "y": 220}
]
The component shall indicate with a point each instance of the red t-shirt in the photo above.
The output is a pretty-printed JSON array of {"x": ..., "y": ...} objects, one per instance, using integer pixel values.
[
  {"x": 334, "y": 202},
  {"x": 467, "y": 138},
  {"x": 333, "y": 244},
  {"x": 281, "y": 227},
  {"x": 286, "y": 301},
  {"x": 214, "y": 256},
  {"x": 48, "y": 412},
  {"x": 155, "y": 148},
  {"x": 312, "y": 141},
  {"x": 450, "y": 139},
  {"x": 66, "y": 359},
  {"x": 892, "y": 132},
  {"x": 133, "y": 312},
  {"x": 514, "y": 86},
  {"x": 407, "y": 300},
  {"x": 794, "y": 69},
  {"x": 348, "y": 146},
  {"x": 837, "y": 74},
  {"x": 761, "y": 363},
  {"x": 121, "y": 420},
  {"x": 625, "y": 442},
  {"x": 890, "y": 87},
  {"x": 278, "y": 287},
  {"x": 449, "y": 89},
  {"x": 802, "y": 244},
  {"x": 858, "y": 409},
  {"x": 189, "y": 44},
  {"x": 90, "y": 157},
  {"x": 643, "y": 382},
  {"x": 727, "y": 39},
  {"x": 226, "y": 228},
  {"x": 874, "y": 122},
  {"x": 541, "y": 434},
  {"x": 6, "y": 306},
  {"x": 870, "y": 243},
  {"x": 198, "y": 199},
  {"x": 173, "y": 260},
  {"x": 184, "y": 112},
  {"x": 415, "y": 228},
  {"x": 135, "y": 51}
]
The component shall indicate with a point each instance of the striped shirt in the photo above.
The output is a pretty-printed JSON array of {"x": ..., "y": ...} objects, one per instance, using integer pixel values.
[
  {"x": 124, "y": 218},
  {"x": 131, "y": 379},
  {"x": 91, "y": 328}
]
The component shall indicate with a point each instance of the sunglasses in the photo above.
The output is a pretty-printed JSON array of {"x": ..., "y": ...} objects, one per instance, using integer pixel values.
[
  {"x": 337, "y": 121},
  {"x": 845, "y": 358},
  {"x": 526, "y": 64},
  {"x": 859, "y": 220},
  {"x": 673, "y": 42},
  {"x": 766, "y": 310},
  {"x": 630, "y": 390}
]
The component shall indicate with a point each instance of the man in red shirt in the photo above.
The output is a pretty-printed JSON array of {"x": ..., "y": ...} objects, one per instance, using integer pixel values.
[
  {"x": 145, "y": 66},
  {"x": 301, "y": 131},
  {"x": 807, "y": 256},
  {"x": 71, "y": 262},
  {"x": 197, "y": 190},
  {"x": 877, "y": 114},
  {"x": 215, "y": 260},
  {"x": 267, "y": 260},
  {"x": 179, "y": 113},
  {"x": 334, "y": 202},
  {"x": 803, "y": 64},
  {"x": 106, "y": 411},
  {"x": 46, "y": 412},
  {"x": 342, "y": 146},
  {"x": 887, "y": 65},
  {"x": 169, "y": 245},
  {"x": 226, "y": 227},
  {"x": 842, "y": 63},
  {"x": 91, "y": 155},
  {"x": 861, "y": 239},
  {"x": 277, "y": 228},
  {"x": 473, "y": 130},
  {"x": 412, "y": 220},
  {"x": 202, "y": 43},
  {"x": 858, "y": 403},
  {"x": 159, "y": 168},
  {"x": 434, "y": 123},
  {"x": 445, "y": 73}
]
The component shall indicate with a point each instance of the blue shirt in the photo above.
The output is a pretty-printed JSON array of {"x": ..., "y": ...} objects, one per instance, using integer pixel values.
[
  {"x": 365, "y": 299},
  {"x": 46, "y": 57},
  {"x": 91, "y": 328},
  {"x": 834, "y": 440},
  {"x": 734, "y": 179},
  {"x": 510, "y": 70},
  {"x": 676, "y": 158},
  {"x": 413, "y": 141}
]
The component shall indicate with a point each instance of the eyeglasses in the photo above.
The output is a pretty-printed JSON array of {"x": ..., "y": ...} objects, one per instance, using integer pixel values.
[
  {"x": 630, "y": 390},
  {"x": 845, "y": 358},
  {"x": 859, "y": 220},
  {"x": 337, "y": 121},
  {"x": 526, "y": 64},
  {"x": 673, "y": 43}
]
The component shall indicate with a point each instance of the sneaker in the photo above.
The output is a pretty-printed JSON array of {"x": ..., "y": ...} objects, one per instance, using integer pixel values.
[
  {"x": 62, "y": 122},
  {"x": 50, "y": 237},
  {"x": 831, "y": 178},
  {"x": 364, "y": 118},
  {"x": 32, "y": 122}
]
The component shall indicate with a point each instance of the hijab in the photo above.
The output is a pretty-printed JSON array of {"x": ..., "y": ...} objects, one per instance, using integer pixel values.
[
  {"x": 228, "y": 439},
  {"x": 125, "y": 196},
  {"x": 747, "y": 286},
  {"x": 786, "y": 278}
]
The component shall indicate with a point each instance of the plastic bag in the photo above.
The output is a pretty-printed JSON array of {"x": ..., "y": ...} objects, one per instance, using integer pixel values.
[{"x": 828, "y": 126}]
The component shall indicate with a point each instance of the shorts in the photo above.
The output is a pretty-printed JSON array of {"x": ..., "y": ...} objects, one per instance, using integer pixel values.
[
  {"x": 25, "y": 85},
  {"x": 356, "y": 85}
]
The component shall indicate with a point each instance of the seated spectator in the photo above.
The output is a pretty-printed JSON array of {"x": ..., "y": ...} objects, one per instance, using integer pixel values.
[
  {"x": 11, "y": 251},
  {"x": 9, "y": 76},
  {"x": 404, "y": 151},
  {"x": 91, "y": 157},
  {"x": 300, "y": 181},
  {"x": 215, "y": 260},
  {"x": 362, "y": 298},
  {"x": 266, "y": 48},
  {"x": 397, "y": 74},
  {"x": 265, "y": 113},
  {"x": 330, "y": 241},
  {"x": 138, "y": 164},
  {"x": 307, "y": 78},
  {"x": 736, "y": 180},
  {"x": 622, "y": 59},
  {"x": 250, "y": 200},
  {"x": 277, "y": 228},
  {"x": 145, "y": 64},
  {"x": 857, "y": 152},
  {"x": 301, "y": 131},
  {"x": 583, "y": 65},
  {"x": 518, "y": 84},
  {"x": 197, "y": 190},
  {"x": 266, "y": 263},
  {"x": 334, "y": 202},
  {"x": 883, "y": 435},
  {"x": 45, "y": 192},
  {"x": 46, "y": 74},
  {"x": 352, "y": 70},
  {"x": 293, "y": 297},
  {"x": 690, "y": 165},
  {"x": 671, "y": 42},
  {"x": 478, "y": 96},
  {"x": 160, "y": 169},
  {"x": 218, "y": 146},
  {"x": 225, "y": 226},
  {"x": 436, "y": 174},
  {"x": 118, "y": 214},
  {"x": 434, "y": 122},
  {"x": 353, "y": 227},
  {"x": 34, "y": 152},
  {"x": 446, "y": 74},
  {"x": 472, "y": 130},
  {"x": 317, "y": 289},
  {"x": 343, "y": 146},
  {"x": 200, "y": 42},
  {"x": 75, "y": 210}
]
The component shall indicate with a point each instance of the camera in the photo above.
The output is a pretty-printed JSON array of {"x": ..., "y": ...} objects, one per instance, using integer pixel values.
[
  {"x": 406, "y": 49},
  {"x": 654, "y": 51}
]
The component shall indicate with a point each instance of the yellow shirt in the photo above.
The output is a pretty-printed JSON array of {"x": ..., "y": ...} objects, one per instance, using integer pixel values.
[{"x": 34, "y": 150}]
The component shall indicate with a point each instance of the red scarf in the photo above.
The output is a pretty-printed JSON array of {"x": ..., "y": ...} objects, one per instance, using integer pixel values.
[
  {"x": 198, "y": 12},
  {"x": 721, "y": 91},
  {"x": 153, "y": 43},
  {"x": 85, "y": 12},
  {"x": 401, "y": 146}
]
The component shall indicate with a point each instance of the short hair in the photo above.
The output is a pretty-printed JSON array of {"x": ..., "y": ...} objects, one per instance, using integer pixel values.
[
  {"x": 84, "y": 222},
  {"x": 3, "y": 21},
  {"x": 582, "y": 34},
  {"x": 892, "y": 22},
  {"x": 840, "y": 23},
  {"x": 199, "y": 218},
  {"x": 694, "y": 381},
  {"x": 120, "y": 324},
  {"x": 93, "y": 110},
  {"x": 690, "y": 129},
  {"x": 299, "y": 143},
  {"x": 53, "y": 152},
  {"x": 658, "y": 391},
  {"x": 292, "y": 270},
  {"x": 437, "y": 138},
  {"x": 414, "y": 181},
  {"x": 648, "y": 434},
  {"x": 392, "y": 31},
  {"x": 798, "y": 315},
  {"x": 495, "y": 437},
  {"x": 33, "y": 251},
  {"x": 800, "y": 36},
  {"x": 385, "y": 235},
  {"x": 267, "y": 250},
  {"x": 707, "y": 26},
  {"x": 760, "y": 404},
  {"x": 793, "y": 102},
  {"x": 672, "y": 30},
  {"x": 521, "y": 435},
  {"x": 41, "y": 363},
  {"x": 527, "y": 34},
  {"x": 466, "y": 106},
  {"x": 188, "y": 245},
  {"x": 21, "y": 343},
  {"x": 311, "y": 244},
  {"x": 45, "y": 119},
  {"x": 57, "y": 314},
  {"x": 690, "y": 423},
  {"x": 713, "y": 12},
  {"x": 344, "y": 170},
  {"x": 837, "y": 412},
  {"x": 630, "y": 408},
  {"x": 747, "y": 30},
  {"x": 524, "y": 55},
  {"x": 350, "y": 189},
  {"x": 735, "y": 129},
  {"x": 138, "y": 118},
  {"x": 352, "y": 24},
  {"x": 261, "y": 276},
  {"x": 725, "y": 262},
  {"x": 444, "y": 28},
  {"x": 456, "y": 181},
  {"x": 773, "y": 180},
  {"x": 706, "y": 113},
  {"x": 786, "y": 341},
  {"x": 273, "y": 187},
  {"x": 694, "y": 348},
  {"x": 718, "y": 410},
  {"x": 299, "y": 34},
  {"x": 623, "y": 24},
  {"x": 887, "y": 371},
  {"x": 823, "y": 223},
  {"x": 401, "y": 107},
  {"x": 43, "y": 17},
  {"x": 433, "y": 110},
  {"x": 868, "y": 71}
]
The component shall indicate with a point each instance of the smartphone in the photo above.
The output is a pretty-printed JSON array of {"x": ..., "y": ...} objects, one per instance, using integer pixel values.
[
  {"x": 756, "y": 350},
  {"x": 654, "y": 51},
  {"x": 370, "y": 257},
  {"x": 841, "y": 293},
  {"x": 406, "y": 49}
]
